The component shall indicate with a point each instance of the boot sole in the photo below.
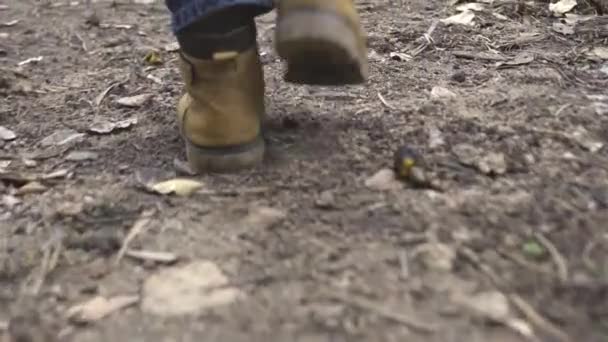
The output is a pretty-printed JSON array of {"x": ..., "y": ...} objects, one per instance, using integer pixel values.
[
  {"x": 225, "y": 159},
  {"x": 320, "y": 49}
]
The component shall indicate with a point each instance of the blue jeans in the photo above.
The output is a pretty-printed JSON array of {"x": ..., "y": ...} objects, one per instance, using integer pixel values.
[{"x": 187, "y": 12}]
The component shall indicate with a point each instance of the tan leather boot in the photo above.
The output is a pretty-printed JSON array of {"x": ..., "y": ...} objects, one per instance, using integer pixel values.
[
  {"x": 322, "y": 41},
  {"x": 220, "y": 114}
]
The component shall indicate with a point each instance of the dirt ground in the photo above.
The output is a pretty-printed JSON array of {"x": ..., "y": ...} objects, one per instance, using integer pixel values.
[{"x": 509, "y": 116}]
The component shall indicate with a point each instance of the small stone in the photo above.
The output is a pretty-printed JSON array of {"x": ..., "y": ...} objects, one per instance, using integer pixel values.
[
  {"x": 6, "y": 134},
  {"x": 383, "y": 180},
  {"x": 326, "y": 200},
  {"x": 459, "y": 77}
]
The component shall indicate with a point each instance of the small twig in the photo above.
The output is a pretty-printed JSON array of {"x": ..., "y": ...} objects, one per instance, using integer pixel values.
[
  {"x": 528, "y": 310},
  {"x": 383, "y": 311},
  {"x": 160, "y": 257},
  {"x": 83, "y": 44},
  {"x": 137, "y": 228},
  {"x": 99, "y": 99},
  {"x": 384, "y": 102},
  {"x": 480, "y": 56},
  {"x": 560, "y": 262},
  {"x": 425, "y": 40},
  {"x": 537, "y": 319},
  {"x": 50, "y": 259}
]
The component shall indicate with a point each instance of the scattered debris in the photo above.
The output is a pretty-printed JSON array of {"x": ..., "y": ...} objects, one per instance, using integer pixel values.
[
  {"x": 383, "y": 180},
  {"x": 521, "y": 59},
  {"x": 32, "y": 188},
  {"x": 601, "y": 108},
  {"x": 107, "y": 127},
  {"x": 463, "y": 18},
  {"x": 99, "y": 307},
  {"x": 260, "y": 217},
  {"x": 384, "y": 102},
  {"x": 138, "y": 227},
  {"x": 187, "y": 289},
  {"x": 31, "y": 60},
  {"x": 436, "y": 138},
  {"x": 383, "y": 311},
  {"x": 159, "y": 257},
  {"x": 585, "y": 140},
  {"x": 28, "y": 325},
  {"x": 153, "y": 58},
  {"x": 560, "y": 262},
  {"x": 182, "y": 167},
  {"x": 173, "y": 47},
  {"x": 435, "y": 256},
  {"x": 91, "y": 17},
  {"x": 134, "y": 101},
  {"x": 326, "y": 200},
  {"x": 600, "y": 52},
  {"x": 81, "y": 156},
  {"x": 442, "y": 93},
  {"x": 99, "y": 98},
  {"x": 533, "y": 250},
  {"x": 562, "y": 28},
  {"x": 562, "y": 7},
  {"x": 494, "y": 306},
  {"x": 57, "y": 174},
  {"x": 10, "y": 23},
  {"x": 177, "y": 186},
  {"x": 491, "y": 163},
  {"x": 400, "y": 56},
  {"x": 62, "y": 137},
  {"x": 10, "y": 201},
  {"x": 6, "y": 134}
]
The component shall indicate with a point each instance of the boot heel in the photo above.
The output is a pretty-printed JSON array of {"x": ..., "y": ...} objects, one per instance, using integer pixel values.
[
  {"x": 320, "y": 49},
  {"x": 225, "y": 159}
]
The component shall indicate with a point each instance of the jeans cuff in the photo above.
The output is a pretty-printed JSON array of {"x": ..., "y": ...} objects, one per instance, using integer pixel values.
[{"x": 194, "y": 10}]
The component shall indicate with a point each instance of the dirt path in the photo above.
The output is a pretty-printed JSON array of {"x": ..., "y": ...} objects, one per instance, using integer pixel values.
[{"x": 509, "y": 115}]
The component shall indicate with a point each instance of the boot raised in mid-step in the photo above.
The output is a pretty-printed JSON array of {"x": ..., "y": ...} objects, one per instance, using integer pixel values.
[
  {"x": 220, "y": 114},
  {"x": 322, "y": 42}
]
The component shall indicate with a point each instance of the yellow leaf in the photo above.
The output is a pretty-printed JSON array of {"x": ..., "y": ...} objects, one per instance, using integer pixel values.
[
  {"x": 178, "y": 186},
  {"x": 153, "y": 58}
]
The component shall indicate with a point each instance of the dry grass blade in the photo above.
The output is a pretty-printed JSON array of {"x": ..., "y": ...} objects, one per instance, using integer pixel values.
[
  {"x": 137, "y": 228},
  {"x": 384, "y": 102},
  {"x": 382, "y": 311},
  {"x": 50, "y": 259},
  {"x": 558, "y": 258}
]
